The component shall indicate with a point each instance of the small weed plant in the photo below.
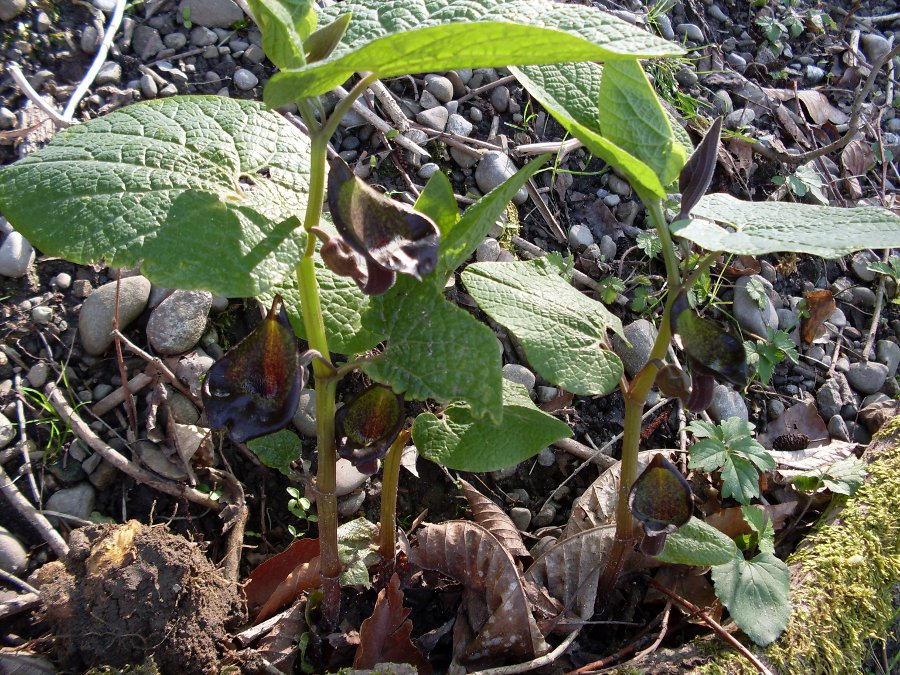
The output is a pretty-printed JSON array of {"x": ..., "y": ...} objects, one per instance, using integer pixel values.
[{"x": 225, "y": 195}]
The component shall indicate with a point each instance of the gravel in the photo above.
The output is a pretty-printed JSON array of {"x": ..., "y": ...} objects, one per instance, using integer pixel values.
[
  {"x": 179, "y": 321},
  {"x": 95, "y": 322}
]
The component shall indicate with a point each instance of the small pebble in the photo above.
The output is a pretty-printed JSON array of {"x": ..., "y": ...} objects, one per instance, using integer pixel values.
[
  {"x": 440, "y": 87},
  {"x": 75, "y": 501},
  {"x": 13, "y": 557},
  {"x": 580, "y": 236},
  {"x": 691, "y": 31},
  {"x": 62, "y": 281},
  {"x": 519, "y": 374},
  {"x": 42, "y": 315},
  {"x": 500, "y": 98},
  {"x": 244, "y": 79},
  {"x": 493, "y": 169},
  {"x": 7, "y": 431},
  {"x": 16, "y": 255},
  {"x": 426, "y": 171},
  {"x": 38, "y": 374},
  {"x": 521, "y": 517}
]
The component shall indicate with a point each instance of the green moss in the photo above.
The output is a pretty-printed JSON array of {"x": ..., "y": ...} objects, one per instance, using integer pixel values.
[{"x": 842, "y": 578}]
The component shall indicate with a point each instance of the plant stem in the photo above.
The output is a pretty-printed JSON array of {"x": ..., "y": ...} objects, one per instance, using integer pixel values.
[
  {"x": 390, "y": 481},
  {"x": 635, "y": 395},
  {"x": 326, "y": 381}
]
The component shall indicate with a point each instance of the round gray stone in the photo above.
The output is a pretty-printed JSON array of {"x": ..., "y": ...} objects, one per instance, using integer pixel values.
[
  {"x": 212, "y": 13},
  {"x": 10, "y": 9},
  {"x": 837, "y": 428},
  {"x": 521, "y": 517},
  {"x": 434, "y": 118},
  {"x": 95, "y": 322},
  {"x": 110, "y": 73},
  {"x": 493, "y": 169},
  {"x": 580, "y": 236},
  {"x": 459, "y": 125},
  {"x": 867, "y": 377},
  {"x": 519, "y": 374},
  {"x": 42, "y": 315},
  {"x": 488, "y": 250},
  {"x": 305, "y": 417},
  {"x": 7, "y": 431},
  {"x": 500, "y": 98},
  {"x": 179, "y": 321},
  {"x": 740, "y": 118},
  {"x": 16, "y": 254},
  {"x": 347, "y": 477},
  {"x": 13, "y": 558},
  {"x": 726, "y": 403},
  {"x": 62, "y": 281},
  {"x": 427, "y": 170},
  {"x": 75, "y": 501},
  {"x": 691, "y": 31},
  {"x": 833, "y": 394},
  {"x": 814, "y": 74},
  {"x": 748, "y": 312},
  {"x": 888, "y": 353},
  {"x": 440, "y": 87},
  {"x": 874, "y": 46},
  {"x": 244, "y": 79},
  {"x": 38, "y": 374},
  {"x": 641, "y": 334}
]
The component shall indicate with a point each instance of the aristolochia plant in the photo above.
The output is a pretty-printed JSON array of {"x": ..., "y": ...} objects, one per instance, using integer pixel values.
[{"x": 226, "y": 196}]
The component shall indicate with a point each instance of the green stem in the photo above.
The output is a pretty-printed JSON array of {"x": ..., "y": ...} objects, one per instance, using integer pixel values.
[
  {"x": 326, "y": 380},
  {"x": 635, "y": 394},
  {"x": 389, "y": 484}
]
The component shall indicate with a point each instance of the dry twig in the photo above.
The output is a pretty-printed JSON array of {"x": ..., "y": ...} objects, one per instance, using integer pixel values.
[
  {"x": 122, "y": 463},
  {"x": 32, "y": 515}
]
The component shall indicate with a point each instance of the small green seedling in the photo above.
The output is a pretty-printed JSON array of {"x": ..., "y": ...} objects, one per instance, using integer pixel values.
[
  {"x": 764, "y": 355},
  {"x": 301, "y": 508}
]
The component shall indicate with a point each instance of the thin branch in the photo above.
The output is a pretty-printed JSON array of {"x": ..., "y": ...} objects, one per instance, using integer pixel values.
[
  {"x": 119, "y": 461},
  {"x": 159, "y": 364},
  {"x": 99, "y": 59},
  {"x": 534, "y": 664},
  {"x": 487, "y": 87},
  {"x": 852, "y": 131},
  {"x": 716, "y": 627},
  {"x": 28, "y": 512},
  {"x": 23, "y": 441},
  {"x": 382, "y": 126},
  {"x": 876, "y": 314},
  {"x": 35, "y": 97}
]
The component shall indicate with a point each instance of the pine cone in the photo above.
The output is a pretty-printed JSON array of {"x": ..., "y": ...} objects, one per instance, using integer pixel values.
[{"x": 792, "y": 441}]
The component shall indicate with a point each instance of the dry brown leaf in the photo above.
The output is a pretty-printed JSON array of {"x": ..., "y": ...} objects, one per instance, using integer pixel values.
[
  {"x": 492, "y": 518},
  {"x": 857, "y": 158},
  {"x": 271, "y": 573},
  {"x": 794, "y": 462},
  {"x": 816, "y": 104},
  {"x": 787, "y": 121},
  {"x": 820, "y": 305},
  {"x": 693, "y": 587},
  {"x": 731, "y": 521},
  {"x": 801, "y": 418},
  {"x": 742, "y": 151},
  {"x": 497, "y": 607},
  {"x": 384, "y": 636},
  {"x": 279, "y": 645},
  {"x": 597, "y": 505},
  {"x": 742, "y": 266},
  {"x": 571, "y": 569}
]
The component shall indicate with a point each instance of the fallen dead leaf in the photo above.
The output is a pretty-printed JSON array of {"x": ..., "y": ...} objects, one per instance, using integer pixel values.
[
  {"x": 794, "y": 462},
  {"x": 731, "y": 521},
  {"x": 279, "y": 645},
  {"x": 597, "y": 505},
  {"x": 742, "y": 266},
  {"x": 571, "y": 569},
  {"x": 268, "y": 577},
  {"x": 492, "y": 518},
  {"x": 800, "y": 418},
  {"x": 820, "y": 305},
  {"x": 816, "y": 104},
  {"x": 384, "y": 636},
  {"x": 497, "y": 610}
]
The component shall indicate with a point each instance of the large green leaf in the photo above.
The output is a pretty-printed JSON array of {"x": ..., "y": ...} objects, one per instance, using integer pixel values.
[
  {"x": 699, "y": 544},
  {"x": 459, "y": 243},
  {"x": 398, "y": 37},
  {"x": 571, "y": 93},
  {"x": 755, "y": 228},
  {"x": 435, "y": 349},
  {"x": 201, "y": 188},
  {"x": 756, "y": 595},
  {"x": 560, "y": 329},
  {"x": 460, "y": 440},
  {"x": 285, "y": 24},
  {"x": 632, "y": 117},
  {"x": 277, "y": 450}
]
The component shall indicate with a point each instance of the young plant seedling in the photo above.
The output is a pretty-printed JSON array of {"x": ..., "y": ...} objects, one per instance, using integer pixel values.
[{"x": 235, "y": 206}]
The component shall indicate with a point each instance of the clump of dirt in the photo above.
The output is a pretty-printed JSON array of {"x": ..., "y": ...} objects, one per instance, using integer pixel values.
[{"x": 130, "y": 593}]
